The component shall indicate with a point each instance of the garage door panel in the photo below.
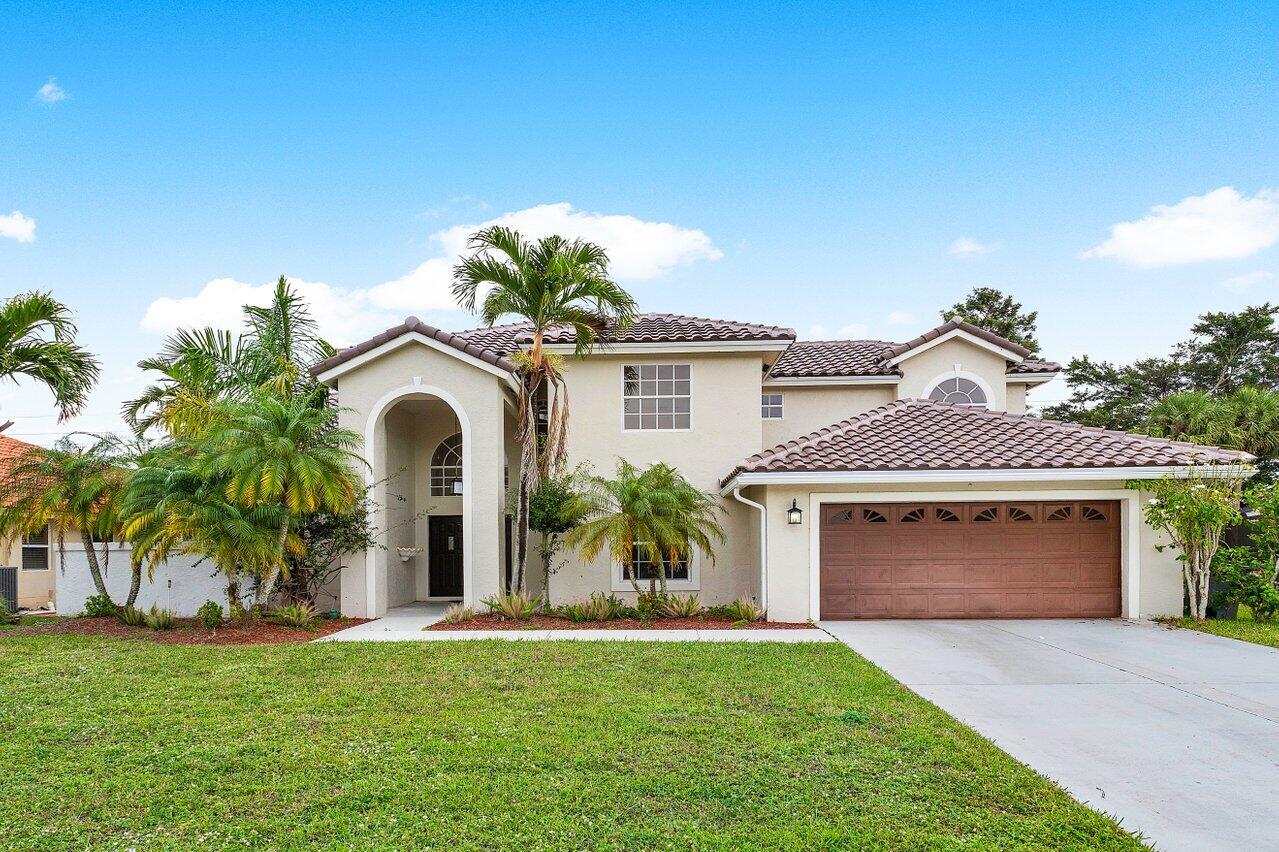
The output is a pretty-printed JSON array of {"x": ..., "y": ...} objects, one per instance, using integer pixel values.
[{"x": 979, "y": 560}]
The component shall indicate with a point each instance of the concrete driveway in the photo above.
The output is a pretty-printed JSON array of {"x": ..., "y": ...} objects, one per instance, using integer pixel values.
[{"x": 1174, "y": 733}]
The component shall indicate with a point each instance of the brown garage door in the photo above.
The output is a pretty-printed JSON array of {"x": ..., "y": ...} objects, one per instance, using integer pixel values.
[{"x": 970, "y": 560}]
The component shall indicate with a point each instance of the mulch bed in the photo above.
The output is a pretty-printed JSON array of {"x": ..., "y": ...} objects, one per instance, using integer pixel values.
[
  {"x": 189, "y": 631},
  {"x": 491, "y": 621}
]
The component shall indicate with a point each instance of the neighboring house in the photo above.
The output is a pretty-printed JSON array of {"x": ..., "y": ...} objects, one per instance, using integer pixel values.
[
  {"x": 859, "y": 478},
  {"x": 34, "y": 555}
]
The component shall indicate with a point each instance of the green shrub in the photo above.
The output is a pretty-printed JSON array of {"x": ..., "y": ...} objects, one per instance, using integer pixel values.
[
  {"x": 676, "y": 607},
  {"x": 1247, "y": 575},
  {"x": 99, "y": 606},
  {"x": 598, "y": 607},
  {"x": 210, "y": 614},
  {"x": 161, "y": 619},
  {"x": 301, "y": 616},
  {"x": 514, "y": 605},
  {"x": 650, "y": 604},
  {"x": 742, "y": 610},
  {"x": 458, "y": 613},
  {"x": 132, "y": 616},
  {"x": 7, "y": 617}
]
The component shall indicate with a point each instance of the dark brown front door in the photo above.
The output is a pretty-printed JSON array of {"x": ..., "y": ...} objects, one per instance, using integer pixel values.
[
  {"x": 970, "y": 560},
  {"x": 445, "y": 556}
]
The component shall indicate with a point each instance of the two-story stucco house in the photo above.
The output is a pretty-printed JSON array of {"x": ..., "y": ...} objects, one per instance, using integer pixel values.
[{"x": 859, "y": 478}]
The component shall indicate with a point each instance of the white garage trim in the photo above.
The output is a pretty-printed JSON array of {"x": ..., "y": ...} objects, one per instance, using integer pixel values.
[{"x": 1129, "y": 530}]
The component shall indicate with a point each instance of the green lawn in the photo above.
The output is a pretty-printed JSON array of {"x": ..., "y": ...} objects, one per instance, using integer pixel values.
[
  {"x": 1260, "y": 632},
  {"x": 112, "y": 744}
]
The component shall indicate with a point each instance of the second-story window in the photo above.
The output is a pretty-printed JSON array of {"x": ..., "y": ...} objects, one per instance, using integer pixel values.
[
  {"x": 771, "y": 406},
  {"x": 657, "y": 397}
]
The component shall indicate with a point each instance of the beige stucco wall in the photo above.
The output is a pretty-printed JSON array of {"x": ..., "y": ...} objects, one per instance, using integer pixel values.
[
  {"x": 35, "y": 588},
  {"x": 726, "y": 428},
  {"x": 1016, "y": 398},
  {"x": 919, "y": 372},
  {"x": 415, "y": 369},
  {"x": 1159, "y": 590},
  {"x": 809, "y": 408}
]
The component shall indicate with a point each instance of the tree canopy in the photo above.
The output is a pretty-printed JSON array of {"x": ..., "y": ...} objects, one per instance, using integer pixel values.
[{"x": 997, "y": 312}]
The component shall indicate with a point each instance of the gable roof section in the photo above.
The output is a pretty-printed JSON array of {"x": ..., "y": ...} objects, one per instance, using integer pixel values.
[
  {"x": 956, "y": 326},
  {"x": 413, "y": 325},
  {"x": 922, "y": 435}
]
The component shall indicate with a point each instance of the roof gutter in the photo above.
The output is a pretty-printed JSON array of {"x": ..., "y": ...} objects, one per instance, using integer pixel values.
[
  {"x": 763, "y": 545},
  {"x": 881, "y": 477}
]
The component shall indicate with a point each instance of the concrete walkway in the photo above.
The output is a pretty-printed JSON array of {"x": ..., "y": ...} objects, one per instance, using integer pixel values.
[
  {"x": 408, "y": 623},
  {"x": 1173, "y": 732}
]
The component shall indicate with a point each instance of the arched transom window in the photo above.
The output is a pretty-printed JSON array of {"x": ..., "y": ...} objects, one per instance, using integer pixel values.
[
  {"x": 959, "y": 391},
  {"x": 446, "y": 467}
]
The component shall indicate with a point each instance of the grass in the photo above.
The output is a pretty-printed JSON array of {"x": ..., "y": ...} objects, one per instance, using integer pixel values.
[
  {"x": 115, "y": 744},
  {"x": 1258, "y": 632}
]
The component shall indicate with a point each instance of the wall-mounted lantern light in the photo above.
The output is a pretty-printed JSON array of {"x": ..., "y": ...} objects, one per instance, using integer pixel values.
[{"x": 794, "y": 515}]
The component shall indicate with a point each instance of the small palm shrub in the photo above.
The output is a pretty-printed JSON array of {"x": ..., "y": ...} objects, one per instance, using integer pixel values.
[
  {"x": 210, "y": 614},
  {"x": 514, "y": 605},
  {"x": 99, "y": 606},
  {"x": 161, "y": 619},
  {"x": 7, "y": 617},
  {"x": 132, "y": 616},
  {"x": 458, "y": 613},
  {"x": 301, "y": 616},
  {"x": 650, "y": 604},
  {"x": 598, "y": 607},
  {"x": 742, "y": 610},
  {"x": 676, "y": 607}
]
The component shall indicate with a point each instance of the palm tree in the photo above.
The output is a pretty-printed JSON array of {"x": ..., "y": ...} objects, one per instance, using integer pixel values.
[
  {"x": 237, "y": 492},
  {"x": 72, "y": 487},
  {"x": 1190, "y": 416},
  {"x": 170, "y": 509},
  {"x": 653, "y": 512},
  {"x": 199, "y": 367},
  {"x": 552, "y": 282},
  {"x": 37, "y": 339},
  {"x": 1253, "y": 422}
]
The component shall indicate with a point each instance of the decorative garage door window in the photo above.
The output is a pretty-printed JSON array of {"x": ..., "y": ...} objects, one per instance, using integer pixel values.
[{"x": 960, "y": 391}]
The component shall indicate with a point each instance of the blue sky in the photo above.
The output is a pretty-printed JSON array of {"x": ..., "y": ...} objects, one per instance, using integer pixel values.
[{"x": 815, "y": 165}]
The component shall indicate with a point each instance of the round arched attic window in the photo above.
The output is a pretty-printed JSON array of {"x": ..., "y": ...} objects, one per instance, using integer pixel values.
[{"x": 959, "y": 391}]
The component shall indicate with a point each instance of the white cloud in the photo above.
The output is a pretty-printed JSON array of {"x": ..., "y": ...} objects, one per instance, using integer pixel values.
[
  {"x": 1242, "y": 283},
  {"x": 1218, "y": 225},
  {"x": 15, "y": 226},
  {"x": 637, "y": 249},
  {"x": 852, "y": 331},
  {"x": 901, "y": 318},
  {"x": 51, "y": 92},
  {"x": 969, "y": 247}
]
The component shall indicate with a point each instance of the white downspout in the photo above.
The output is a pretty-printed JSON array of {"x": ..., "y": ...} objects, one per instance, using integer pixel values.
[{"x": 763, "y": 545}]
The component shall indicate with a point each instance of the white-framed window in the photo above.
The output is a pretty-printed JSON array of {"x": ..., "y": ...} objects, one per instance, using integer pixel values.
[
  {"x": 959, "y": 391},
  {"x": 680, "y": 577},
  {"x": 770, "y": 406},
  {"x": 35, "y": 551},
  {"x": 657, "y": 397},
  {"x": 446, "y": 467}
]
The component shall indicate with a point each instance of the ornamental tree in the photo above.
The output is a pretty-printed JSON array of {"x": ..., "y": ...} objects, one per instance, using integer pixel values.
[{"x": 1194, "y": 511}]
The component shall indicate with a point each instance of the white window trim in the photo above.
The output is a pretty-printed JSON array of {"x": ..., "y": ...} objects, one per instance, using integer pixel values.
[
  {"x": 48, "y": 553},
  {"x": 1130, "y": 523},
  {"x": 972, "y": 377},
  {"x": 781, "y": 404},
  {"x": 621, "y": 386},
  {"x": 693, "y": 584}
]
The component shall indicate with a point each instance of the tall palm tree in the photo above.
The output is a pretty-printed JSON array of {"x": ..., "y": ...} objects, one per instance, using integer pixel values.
[
  {"x": 1190, "y": 416},
  {"x": 72, "y": 487},
  {"x": 37, "y": 340},
  {"x": 1247, "y": 420},
  {"x": 551, "y": 282},
  {"x": 199, "y": 367},
  {"x": 653, "y": 512}
]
